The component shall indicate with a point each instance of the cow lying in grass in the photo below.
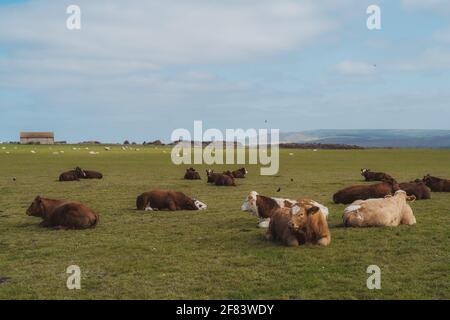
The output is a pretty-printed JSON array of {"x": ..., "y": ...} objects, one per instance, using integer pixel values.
[
  {"x": 388, "y": 212},
  {"x": 263, "y": 207},
  {"x": 63, "y": 214},
  {"x": 437, "y": 184},
  {"x": 191, "y": 174},
  {"x": 375, "y": 176},
  {"x": 417, "y": 189},
  {"x": 88, "y": 174},
  {"x": 363, "y": 192},
  {"x": 239, "y": 174},
  {"x": 220, "y": 179},
  {"x": 71, "y": 175},
  {"x": 299, "y": 225},
  {"x": 167, "y": 200}
]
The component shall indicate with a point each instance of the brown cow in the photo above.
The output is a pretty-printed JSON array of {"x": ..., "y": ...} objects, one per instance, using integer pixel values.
[
  {"x": 63, "y": 214},
  {"x": 239, "y": 174},
  {"x": 363, "y": 192},
  {"x": 312, "y": 224},
  {"x": 71, "y": 175},
  {"x": 417, "y": 189},
  {"x": 437, "y": 184},
  {"x": 375, "y": 176},
  {"x": 191, "y": 174},
  {"x": 88, "y": 174},
  {"x": 167, "y": 200},
  {"x": 280, "y": 229},
  {"x": 220, "y": 179}
]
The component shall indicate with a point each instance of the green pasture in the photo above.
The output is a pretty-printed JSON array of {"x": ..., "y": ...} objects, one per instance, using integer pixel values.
[{"x": 218, "y": 253}]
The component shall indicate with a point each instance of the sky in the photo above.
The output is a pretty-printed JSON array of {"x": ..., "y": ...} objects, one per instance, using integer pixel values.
[{"x": 138, "y": 70}]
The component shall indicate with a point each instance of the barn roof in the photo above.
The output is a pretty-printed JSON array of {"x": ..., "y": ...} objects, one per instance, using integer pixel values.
[{"x": 35, "y": 135}]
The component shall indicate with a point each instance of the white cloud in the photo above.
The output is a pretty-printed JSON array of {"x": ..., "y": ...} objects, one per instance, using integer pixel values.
[
  {"x": 436, "y": 6},
  {"x": 355, "y": 68},
  {"x": 164, "y": 32},
  {"x": 431, "y": 60}
]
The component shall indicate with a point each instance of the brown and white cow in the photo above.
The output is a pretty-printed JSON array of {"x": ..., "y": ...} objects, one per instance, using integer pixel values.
[
  {"x": 263, "y": 207},
  {"x": 63, "y": 214},
  {"x": 374, "y": 176},
  {"x": 239, "y": 174},
  {"x": 167, "y": 200},
  {"x": 387, "y": 212}
]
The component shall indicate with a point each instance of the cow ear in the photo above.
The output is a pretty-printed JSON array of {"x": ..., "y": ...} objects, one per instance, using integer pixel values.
[
  {"x": 312, "y": 210},
  {"x": 38, "y": 199},
  {"x": 295, "y": 210}
]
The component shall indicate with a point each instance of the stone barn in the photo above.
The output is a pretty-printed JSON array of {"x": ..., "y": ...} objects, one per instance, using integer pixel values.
[{"x": 37, "y": 138}]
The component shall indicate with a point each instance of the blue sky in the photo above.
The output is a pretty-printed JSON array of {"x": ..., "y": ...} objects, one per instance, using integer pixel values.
[{"x": 139, "y": 70}]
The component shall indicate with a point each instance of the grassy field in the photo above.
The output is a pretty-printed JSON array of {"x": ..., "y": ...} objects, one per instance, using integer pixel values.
[{"x": 218, "y": 253}]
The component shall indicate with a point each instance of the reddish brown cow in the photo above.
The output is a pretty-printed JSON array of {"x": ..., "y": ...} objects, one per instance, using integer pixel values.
[
  {"x": 363, "y": 192},
  {"x": 167, "y": 200},
  {"x": 63, "y": 214},
  {"x": 437, "y": 184},
  {"x": 375, "y": 176}
]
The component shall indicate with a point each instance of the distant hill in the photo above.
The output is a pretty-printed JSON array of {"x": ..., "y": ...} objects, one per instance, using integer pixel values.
[{"x": 372, "y": 138}]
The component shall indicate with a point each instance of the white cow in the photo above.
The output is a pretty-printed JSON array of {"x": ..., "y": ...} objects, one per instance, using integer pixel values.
[{"x": 390, "y": 212}]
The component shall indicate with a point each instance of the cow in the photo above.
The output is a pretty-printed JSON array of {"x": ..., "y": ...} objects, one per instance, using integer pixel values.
[
  {"x": 387, "y": 212},
  {"x": 299, "y": 225},
  {"x": 417, "y": 189},
  {"x": 374, "y": 176},
  {"x": 89, "y": 174},
  {"x": 363, "y": 192},
  {"x": 71, "y": 175},
  {"x": 220, "y": 179},
  {"x": 279, "y": 229},
  {"x": 156, "y": 200},
  {"x": 312, "y": 224},
  {"x": 263, "y": 207},
  {"x": 239, "y": 174},
  {"x": 437, "y": 184},
  {"x": 191, "y": 174},
  {"x": 63, "y": 214}
]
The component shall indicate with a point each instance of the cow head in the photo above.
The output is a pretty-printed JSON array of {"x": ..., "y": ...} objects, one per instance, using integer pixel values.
[
  {"x": 80, "y": 172},
  {"x": 249, "y": 204},
  {"x": 300, "y": 216},
  {"x": 36, "y": 208},
  {"x": 243, "y": 170},
  {"x": 200, "y": 205},
  {"x": 364, "y": 171}
]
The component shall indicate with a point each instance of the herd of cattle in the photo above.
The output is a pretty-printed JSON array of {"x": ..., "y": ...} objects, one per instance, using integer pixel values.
[{"x": 290, "y": 221}]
